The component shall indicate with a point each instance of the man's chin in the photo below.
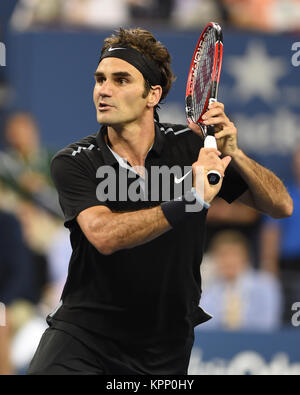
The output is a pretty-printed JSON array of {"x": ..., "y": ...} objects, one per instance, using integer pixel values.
[
  {"x": 110, "y": 122},
  {"x": 105, "y": 121}
]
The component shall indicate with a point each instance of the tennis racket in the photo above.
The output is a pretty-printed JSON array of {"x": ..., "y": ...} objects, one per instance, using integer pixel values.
[{"x": 202, "y": 84}]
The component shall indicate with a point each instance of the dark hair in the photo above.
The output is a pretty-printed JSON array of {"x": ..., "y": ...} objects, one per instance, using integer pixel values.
[{"x": 146, "y": 43}]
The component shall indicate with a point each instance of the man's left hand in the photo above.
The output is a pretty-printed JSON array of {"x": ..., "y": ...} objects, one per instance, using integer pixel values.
[{"x": 225, "y": 131}]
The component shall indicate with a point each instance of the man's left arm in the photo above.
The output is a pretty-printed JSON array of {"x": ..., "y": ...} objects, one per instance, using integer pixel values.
[{"x": 266, "y": 191}]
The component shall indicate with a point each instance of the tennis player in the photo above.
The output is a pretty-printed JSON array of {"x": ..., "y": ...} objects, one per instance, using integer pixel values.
[{"x": 131, "y": 299}]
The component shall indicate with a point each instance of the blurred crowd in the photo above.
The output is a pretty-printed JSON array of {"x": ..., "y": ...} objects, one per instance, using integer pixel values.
[
  {"x": 35, "y": 250},
  {"x": 264, "y": 15}
]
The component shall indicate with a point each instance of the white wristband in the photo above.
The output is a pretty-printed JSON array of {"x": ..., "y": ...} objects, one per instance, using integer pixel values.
[{"x": 199, "y": 199}]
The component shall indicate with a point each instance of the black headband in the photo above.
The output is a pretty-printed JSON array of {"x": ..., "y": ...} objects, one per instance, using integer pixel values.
[{"x": 145, "y": 65}]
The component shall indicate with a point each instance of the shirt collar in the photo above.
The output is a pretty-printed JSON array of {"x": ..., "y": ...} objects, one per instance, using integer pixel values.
[
  {"x": 158, "y": 140},
  {"x": 110, "y": 159}
]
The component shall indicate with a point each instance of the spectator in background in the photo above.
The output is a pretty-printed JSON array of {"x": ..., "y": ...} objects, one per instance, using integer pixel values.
[
  {"x": 16, "y": 272},
  {"x": 89, "y": 13},
  {"x": 5, "y": 343},
  {"x": 267, "y": 15},
  {"x": 280, "y": 245},
  {"x": 95, "y": 13},
  {"x": 150, "y": 10},
  {"x": 235, "y": 216},
  {"x": 26, "y": 339},
  {"x": 81, "y": 13},
  {"x": 28, "y": 192},
  {"x": 189, "y": 14},
  {"x": 25, "y": 164},
  {"x": 17, "y": 285},
  {"x": 239, "y": 298},
  {"x": 29, "y": 162},
  {"x": 26, "y": 265},
  {"x": 37, "y": 12},
  {"x": 58, "y": 257}
]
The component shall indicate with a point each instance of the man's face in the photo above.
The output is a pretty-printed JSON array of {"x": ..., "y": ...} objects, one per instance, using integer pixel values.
[
  {"x": 231, "y": 260},
  {"x": 21, "y": 133},
  {"x": 118, "y": 93}
]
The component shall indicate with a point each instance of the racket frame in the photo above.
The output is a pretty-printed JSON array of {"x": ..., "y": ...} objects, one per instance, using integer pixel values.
[
  {"x": 216, "y": 71},
  {"x": 208, "y": 131}
]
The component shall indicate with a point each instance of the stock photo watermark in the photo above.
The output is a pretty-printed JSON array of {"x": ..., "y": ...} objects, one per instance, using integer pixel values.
[
  {"x": 296, "y": 56},
  {"x": 296, "y": 315},
  {"x": 2, "y": 315},
  {"x": 2, "y": 54},
  {"x": 161, "y": 183}
]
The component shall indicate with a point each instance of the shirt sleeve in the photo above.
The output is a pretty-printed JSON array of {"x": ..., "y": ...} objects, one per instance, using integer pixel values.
[
  {"x": 233, "y": 185},
  {"x": 75, "y": 185}
]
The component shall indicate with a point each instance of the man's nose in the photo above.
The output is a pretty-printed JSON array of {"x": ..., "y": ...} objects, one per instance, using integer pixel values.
[{"x": 105, "y": 88}]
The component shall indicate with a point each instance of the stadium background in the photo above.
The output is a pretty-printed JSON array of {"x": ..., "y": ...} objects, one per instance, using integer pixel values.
[{"x": 50, "y": 61}]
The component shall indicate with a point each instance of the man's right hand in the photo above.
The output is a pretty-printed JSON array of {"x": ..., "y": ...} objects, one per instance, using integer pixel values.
[{"x": 208, "y": 159}]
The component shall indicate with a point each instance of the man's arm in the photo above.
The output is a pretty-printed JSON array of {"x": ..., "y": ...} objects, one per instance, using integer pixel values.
[
  {"x": 266, "y": 192},
  {"x": 110, "y": 232}
]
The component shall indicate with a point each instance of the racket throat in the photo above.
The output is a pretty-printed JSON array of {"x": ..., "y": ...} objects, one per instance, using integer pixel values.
[{"x": 210, "y": 129}]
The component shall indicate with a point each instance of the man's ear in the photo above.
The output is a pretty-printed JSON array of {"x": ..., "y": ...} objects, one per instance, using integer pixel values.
[{"x": 154, "y": 96}]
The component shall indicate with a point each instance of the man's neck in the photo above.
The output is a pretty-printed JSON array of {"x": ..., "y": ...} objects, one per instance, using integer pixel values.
[{"x": 132, "y": 142}]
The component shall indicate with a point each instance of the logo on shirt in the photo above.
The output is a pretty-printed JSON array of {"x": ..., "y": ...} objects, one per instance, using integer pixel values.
[
  {"x": 79, "y": 149},
  {"x": 179, "y": 180}
]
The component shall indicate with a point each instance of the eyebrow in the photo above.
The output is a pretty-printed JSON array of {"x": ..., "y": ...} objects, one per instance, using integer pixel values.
[{"x": 116, "y": 74}]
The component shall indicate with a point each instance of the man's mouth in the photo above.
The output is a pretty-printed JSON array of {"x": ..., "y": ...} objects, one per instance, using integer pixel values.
[{"x": 104, "y": 106}]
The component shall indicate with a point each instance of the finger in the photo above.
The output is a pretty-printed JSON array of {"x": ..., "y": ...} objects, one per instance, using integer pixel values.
[
  {"x": 217, "y": 166},
  {"x": 221, "y": 120},
  {"x": 213, "y": 113},
  {"x": 195, "y": 128},
  {"x": 226, "y": 160},
  {"x": 216, "y": 104},
  {"x": 207, "y": 151},
  {"x": 226, "y": 132},
  {"x": 211, "y": 151}
]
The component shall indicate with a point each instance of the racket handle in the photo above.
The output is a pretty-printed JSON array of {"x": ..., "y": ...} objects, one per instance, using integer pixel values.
[
  {"x": 213, "y": 175},
  {"x": 210, "y": 142}
]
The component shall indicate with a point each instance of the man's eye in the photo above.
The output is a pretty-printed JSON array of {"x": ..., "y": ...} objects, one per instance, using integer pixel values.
[{"x": 122, "y": 80}]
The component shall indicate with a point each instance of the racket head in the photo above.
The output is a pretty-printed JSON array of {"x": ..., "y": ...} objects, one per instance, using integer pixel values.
[{"x": 204, "y": 73}]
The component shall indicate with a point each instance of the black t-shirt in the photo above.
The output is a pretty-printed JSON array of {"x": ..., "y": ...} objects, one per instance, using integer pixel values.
[{"x": 149, "y": 293}]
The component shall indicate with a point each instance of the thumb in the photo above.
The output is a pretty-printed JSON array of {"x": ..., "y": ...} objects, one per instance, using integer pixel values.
[{"x": 226, "y": 161}]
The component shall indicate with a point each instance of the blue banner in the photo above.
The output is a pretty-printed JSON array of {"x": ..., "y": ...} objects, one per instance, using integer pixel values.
[
  {"x": 242, "y": 353},
  {"x": 52, "y": 76}
]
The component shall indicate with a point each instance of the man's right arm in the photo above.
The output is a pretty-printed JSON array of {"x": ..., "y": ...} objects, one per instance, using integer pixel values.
[
  {"x": 110, "y": 232},
  {"x": 107, "y": 231}
]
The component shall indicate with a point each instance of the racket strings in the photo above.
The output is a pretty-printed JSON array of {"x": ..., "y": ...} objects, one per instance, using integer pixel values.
[{"x": 203, "y": 73}]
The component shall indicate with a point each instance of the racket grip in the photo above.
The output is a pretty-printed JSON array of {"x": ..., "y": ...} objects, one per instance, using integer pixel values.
[
  {"x": 210, "y": 142},
  {"x": 213, "y": 175}
]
